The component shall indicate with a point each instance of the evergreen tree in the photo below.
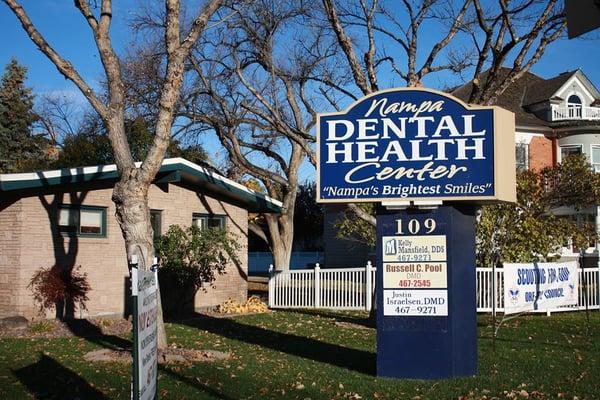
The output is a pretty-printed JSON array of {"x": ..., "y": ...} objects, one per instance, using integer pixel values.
[
  {"x": 19, "y": 148},
  {"x": 90, "y": 145}
]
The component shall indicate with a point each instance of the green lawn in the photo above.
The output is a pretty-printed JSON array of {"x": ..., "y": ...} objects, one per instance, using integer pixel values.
[{"x": 305, "y": 355}]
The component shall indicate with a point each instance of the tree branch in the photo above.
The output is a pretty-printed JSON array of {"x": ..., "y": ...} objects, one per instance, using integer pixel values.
[{"x": 63, "y": 66}]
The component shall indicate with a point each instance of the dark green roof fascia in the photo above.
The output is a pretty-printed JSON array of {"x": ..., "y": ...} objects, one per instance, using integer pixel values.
[
  {"x": 257, "y": 202},
  {"x": 168, "y": 173},
  {"x": 59, "y": 180}
]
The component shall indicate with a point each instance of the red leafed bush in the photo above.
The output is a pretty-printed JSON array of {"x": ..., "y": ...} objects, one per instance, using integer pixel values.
[{"x": 55, "y": 285}]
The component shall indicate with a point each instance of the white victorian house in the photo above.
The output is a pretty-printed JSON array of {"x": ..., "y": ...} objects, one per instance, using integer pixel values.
[{"x": 554, "y": 117}]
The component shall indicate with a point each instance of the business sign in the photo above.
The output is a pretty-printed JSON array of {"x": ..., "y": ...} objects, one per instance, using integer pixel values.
[
  {"x": 415, "y": 275},
  {"x": 415, "y": 144},
  {"x": 539, "y": 286},
  {"x": 145, "y": 312},
  {"x": 425, "y": 283}
]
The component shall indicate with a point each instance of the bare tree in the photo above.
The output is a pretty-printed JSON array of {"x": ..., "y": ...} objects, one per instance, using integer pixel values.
[
  {"x": 362, "y": 26},
  {"x": 254, "y": 83},
  {"x": 501, "y": 31},
  {"x": 130, "y": 193},
  {"x": 256, "y": 91},
  {"x": 57, "y": 117},
  {"x": 513, "y": 34},
  {"x": 517, "y": 30}
]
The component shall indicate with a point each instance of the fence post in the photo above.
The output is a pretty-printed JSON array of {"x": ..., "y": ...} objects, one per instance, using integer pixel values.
[
  {"x": 368, "y": 287},
  {"x": 271, "y": 285},
  {"x": 317, "y": 286}
]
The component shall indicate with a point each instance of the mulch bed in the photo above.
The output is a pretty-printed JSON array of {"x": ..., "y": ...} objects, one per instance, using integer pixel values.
[{"x": 170, "y": 355}]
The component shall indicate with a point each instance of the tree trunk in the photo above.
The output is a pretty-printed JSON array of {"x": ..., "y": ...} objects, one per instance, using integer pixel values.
[
  {"x": 282, "y": 255},
  {"x": 133, "y": 214},
  {"x": 281, "y": 233}
]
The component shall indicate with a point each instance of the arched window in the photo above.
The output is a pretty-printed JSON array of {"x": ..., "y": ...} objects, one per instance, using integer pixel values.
[{"x": 574, "y": 106}]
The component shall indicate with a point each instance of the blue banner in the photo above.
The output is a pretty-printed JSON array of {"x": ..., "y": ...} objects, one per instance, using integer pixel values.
[{"x": 406, "y": 144}]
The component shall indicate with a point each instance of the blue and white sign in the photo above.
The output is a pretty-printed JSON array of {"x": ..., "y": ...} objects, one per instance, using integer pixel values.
[
  {"x": 539, "y": 286},
  {"x": 414, "y": 144}
]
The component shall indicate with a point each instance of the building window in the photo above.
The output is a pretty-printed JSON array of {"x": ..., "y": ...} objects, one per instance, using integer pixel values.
[
  {"x": 522, "y": 150},
  {"x": 596, "y": 158},
  {"x": 82, "y": 221},
  {"x": 206, "y": 221},
  {"x": 571, "y": 150},
  {"x": 574, "y": 106},
  {"x": 156, "y": 222}
]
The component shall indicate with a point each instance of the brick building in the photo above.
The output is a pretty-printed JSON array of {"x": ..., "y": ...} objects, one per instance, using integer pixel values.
[
  {"x": 67, "y": 218},
  {"x": 554, "y": 117}
]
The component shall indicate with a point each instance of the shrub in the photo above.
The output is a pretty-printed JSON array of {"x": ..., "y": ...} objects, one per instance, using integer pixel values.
[
  {"x": 190, "y": 259},
  {"x": 56, "y": 286},
  {"x": 42, "y": 327}
]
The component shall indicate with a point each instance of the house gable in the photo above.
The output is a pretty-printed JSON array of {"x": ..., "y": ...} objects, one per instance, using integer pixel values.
[{"x": 578, "y": 85}]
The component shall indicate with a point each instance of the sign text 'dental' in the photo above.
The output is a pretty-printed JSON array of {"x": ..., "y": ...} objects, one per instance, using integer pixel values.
[{"x": 410, "y": 144}]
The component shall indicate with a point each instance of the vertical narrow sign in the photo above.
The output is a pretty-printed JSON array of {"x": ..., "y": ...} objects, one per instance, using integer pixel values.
[
  {"x": 145, "y": 346},
  {"x": 426, "y": 311}
]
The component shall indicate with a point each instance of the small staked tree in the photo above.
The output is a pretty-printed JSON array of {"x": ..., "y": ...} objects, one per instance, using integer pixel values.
[
  {"x": 130, "y": 193},
  {"x": 18, "y": 146},
  {"x": 190, "y": 260}
]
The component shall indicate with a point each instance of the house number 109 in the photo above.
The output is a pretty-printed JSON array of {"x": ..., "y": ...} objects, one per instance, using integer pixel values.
[{"x": 414, "y": 226}]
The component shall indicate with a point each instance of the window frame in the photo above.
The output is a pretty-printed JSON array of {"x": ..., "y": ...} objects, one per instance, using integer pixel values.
[
  {"x": 574, "y": 104},
  {"x": 560, "y": 147},
  {"x": 526, "y": 146},
  {"x": 78, "y": 209},
  {"x": 222, "y": 217},
  {"x": 158, "y": 213},
  {"x": 595, "y": 163}
]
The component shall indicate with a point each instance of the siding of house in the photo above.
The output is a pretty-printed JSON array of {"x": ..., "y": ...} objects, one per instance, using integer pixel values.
[
  {"x": 103, "y": 259},
  {"x": 10, "y": 252},
  {"x": 585, "y": 140}
]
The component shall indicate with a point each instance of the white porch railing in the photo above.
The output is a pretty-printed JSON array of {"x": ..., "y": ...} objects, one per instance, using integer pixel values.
[
  {"x": 564, "y": 113},
  {"x": 354, "y": 288}
]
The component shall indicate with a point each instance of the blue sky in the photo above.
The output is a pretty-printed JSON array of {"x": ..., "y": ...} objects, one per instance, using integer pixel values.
[{"x": 67, "y": 31}]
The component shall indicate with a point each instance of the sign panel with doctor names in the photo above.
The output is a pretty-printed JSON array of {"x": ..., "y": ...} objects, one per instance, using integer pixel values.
[{"x": 415, "y": 275}]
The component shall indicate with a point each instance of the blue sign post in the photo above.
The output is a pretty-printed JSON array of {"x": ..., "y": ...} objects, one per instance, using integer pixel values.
[
  {"x": 412, "y": 150},
  {"x": 426, "y": 309}
]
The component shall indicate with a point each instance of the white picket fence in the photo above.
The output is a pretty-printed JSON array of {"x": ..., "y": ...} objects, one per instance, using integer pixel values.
[
  {"x": 588, "y": 281},
  {"x": 333, "y": 288},
  {"x": 354, "y": 288}
]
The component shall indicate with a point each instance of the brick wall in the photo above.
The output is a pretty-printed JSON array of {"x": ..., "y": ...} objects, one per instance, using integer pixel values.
[
  {"x": 10, "y": 243},
  {"x": 540, "y": 153},
  {"x": 103, "y": 259}
]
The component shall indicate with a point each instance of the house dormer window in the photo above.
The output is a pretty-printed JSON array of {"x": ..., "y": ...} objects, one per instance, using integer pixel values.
[{"x": 574, "y": 106}]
